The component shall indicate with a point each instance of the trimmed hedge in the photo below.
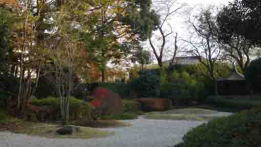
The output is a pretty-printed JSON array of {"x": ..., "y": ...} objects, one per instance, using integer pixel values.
[
  {"x": 239, "y": 130},
  {"x": 234, "y": 102},
  {"x": 78, "y": 108},
  {"x": 119, "y": 87}
]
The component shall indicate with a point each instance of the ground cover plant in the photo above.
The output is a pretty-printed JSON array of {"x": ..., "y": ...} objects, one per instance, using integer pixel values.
[
  {"x": 239, "y": 130},
  {"x": 235, "y": 103}
]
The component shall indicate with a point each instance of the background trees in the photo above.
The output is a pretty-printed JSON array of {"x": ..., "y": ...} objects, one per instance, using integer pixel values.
[
  {"x": 238, "y": 26},
  {"x": 242, "y": 17}
]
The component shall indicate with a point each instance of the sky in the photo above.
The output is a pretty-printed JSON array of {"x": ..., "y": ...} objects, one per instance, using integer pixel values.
[{"x": 178, "y": 21}]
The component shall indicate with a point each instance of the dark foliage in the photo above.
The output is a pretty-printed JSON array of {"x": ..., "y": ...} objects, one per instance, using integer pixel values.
[
  {"x": 143, "y": 20},
  {"x": 120, "y": 88},
  {"x": 234, "y": 103},
  {"x": 232, "y": 20},
  {"x": 253, "y": 75},
  {"x": 147, "y": 85},
  {"x": 239, "y": 130},
  {"x": 79, "y": 110},
  {"x": 6, "y": 21}
]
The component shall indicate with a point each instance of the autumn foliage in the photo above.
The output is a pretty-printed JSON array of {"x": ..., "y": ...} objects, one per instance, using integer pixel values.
[{"x": 106, "y": 101}]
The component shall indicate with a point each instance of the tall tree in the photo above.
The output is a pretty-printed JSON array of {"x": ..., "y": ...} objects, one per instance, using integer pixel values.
[
  {"x": 204, "y": 41},
  {"x": 6, "y": 21},
  {"x": 116, "y": 22},
  {"x": 158, "y": 44}
]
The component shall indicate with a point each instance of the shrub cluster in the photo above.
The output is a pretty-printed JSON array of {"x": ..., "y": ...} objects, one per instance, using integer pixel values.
[
  {"x": 182, "y": 88},
  {"x": 239, "y": 130},
  {"x": 78, "y": 108}
]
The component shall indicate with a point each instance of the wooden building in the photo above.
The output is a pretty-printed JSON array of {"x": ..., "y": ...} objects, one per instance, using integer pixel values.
[{"x": 234, "y": 84}]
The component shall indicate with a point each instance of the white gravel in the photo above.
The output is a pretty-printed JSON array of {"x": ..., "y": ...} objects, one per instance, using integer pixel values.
[{"x": 141, "y": 133}]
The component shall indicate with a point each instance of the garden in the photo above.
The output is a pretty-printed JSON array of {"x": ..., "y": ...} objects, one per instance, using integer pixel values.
[{"x": 119, "y": 73}]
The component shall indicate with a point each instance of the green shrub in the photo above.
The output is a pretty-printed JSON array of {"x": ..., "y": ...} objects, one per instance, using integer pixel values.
[
  {"x": 78, "y": 108},
  {"x": 49, "y": 101},
  {"x": 182, "y": 88},
  {"x": 3, "y": 116},
  {"x": 253, "y": 74},
  {"x": 147, "y": 85},
  {"x": 3, "y": 99},
  {"x": 239, "y": 130},
  {"x": 234, "y": 103},
  {"x": 131, "y": 106}
]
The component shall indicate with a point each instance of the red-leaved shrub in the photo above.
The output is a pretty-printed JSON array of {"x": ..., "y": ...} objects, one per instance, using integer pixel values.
[{"x": 106, "y": 101}]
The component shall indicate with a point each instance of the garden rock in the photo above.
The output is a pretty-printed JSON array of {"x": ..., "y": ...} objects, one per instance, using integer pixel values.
[{"x": 68, "y": 130}]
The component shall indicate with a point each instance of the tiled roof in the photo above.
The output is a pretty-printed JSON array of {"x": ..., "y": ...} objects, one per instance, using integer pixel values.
[{"x": 233, "y": 76}]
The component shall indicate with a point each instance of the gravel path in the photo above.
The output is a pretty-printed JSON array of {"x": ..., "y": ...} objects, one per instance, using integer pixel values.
[{"x": 141, "y": 133}]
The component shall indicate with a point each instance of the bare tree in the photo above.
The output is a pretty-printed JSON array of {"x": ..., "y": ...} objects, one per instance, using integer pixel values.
[
  {"x": 159, "y": 45},
  {"x": 238, "y": 49},
  {"x": 204, "y": 41}
]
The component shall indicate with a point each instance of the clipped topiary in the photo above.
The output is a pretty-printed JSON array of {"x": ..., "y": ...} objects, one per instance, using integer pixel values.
[{"x": 253, "y": 75}]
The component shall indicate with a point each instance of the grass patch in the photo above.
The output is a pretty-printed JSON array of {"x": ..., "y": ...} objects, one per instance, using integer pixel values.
[
  {"x": 198, "y": 114},
  {"x": 122, "y": 116},
  {"x": 235, "y": 103},
  {"x": 49, "y": 131}
]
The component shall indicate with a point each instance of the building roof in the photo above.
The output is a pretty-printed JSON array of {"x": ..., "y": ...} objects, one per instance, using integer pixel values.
[
  {"x": 233, "y": 76},
  {"x": 185, "y": 60}
]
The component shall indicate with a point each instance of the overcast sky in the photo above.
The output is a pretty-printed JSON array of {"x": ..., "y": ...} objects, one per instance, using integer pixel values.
[{"x": 178, "y": 21}]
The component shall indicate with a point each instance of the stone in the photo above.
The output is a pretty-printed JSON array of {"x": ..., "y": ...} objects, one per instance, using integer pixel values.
[{"x": 68, "y": 130}]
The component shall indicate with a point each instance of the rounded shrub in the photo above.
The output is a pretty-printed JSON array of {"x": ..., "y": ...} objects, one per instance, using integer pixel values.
[
  {"x": 78, "y": 108},
  {"x": 239, "y": 130},
  {"x": 147, "y": 85},
  {"x": 253, "y": 74}
]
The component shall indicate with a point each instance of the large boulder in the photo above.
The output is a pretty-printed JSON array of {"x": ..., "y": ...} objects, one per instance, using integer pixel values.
[
  {"x": 154, "y": 104},
  {"x": 106, "y": 101}
]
